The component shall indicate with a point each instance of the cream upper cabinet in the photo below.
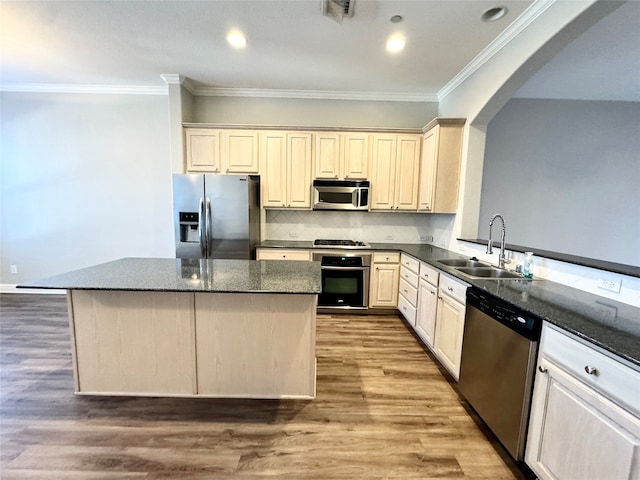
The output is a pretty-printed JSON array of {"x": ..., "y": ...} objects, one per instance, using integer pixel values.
[
  {"x": 356, "y": 155},
  {"x": 341, "y": 155},
  {"x": 239, "y": 151},
  {"x": 221, "y": 151},
  {"x": 286, "y": 169},
  {"x": 202, "y": 149},
  {"x": 327, "y": 155},
  {"x": 394, "y": 175},
  {"x": 440, "y": 166},
  {"x": 584, "y": 414}
]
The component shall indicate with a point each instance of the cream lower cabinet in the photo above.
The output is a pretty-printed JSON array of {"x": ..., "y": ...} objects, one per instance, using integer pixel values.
[
  {"x": 450, "y": 313},
  {"x": 286, "y": 169},
  {"x": 394, "y": 172},
  {"x": 408, "y": 288},
  {"x": 283, "y": 254},
  {"x": 583, "y": 425},
  {"x": 384, "y": 279},
  {"x": 427, "y": 304}
]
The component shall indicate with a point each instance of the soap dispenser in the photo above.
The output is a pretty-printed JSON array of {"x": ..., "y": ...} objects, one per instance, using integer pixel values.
[{"x": 528, "y": 262}]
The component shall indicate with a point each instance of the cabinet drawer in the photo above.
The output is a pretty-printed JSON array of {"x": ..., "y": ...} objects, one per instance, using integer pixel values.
[
  {"x": 409, "y": 292},
  {"x": 619, "y": 382},
  {"x": 409, "y": 276},
  {"x": 410, "y": 263},
  {"x": 430, "y": 274},
  {"x": 386, "y": 257},
  {"x": 281, "y": 254},
  {"x": 453, "y": 288},
  {"x": 407, "y": 310}
]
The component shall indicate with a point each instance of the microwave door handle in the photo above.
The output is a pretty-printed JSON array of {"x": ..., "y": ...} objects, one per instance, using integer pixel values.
[
  {"x": 358, "y": 198},
  {"x": 202, "y": 229}
]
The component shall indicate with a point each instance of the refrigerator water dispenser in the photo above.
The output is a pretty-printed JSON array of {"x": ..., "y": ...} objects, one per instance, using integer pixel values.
[{"x": 189, "y": 227}]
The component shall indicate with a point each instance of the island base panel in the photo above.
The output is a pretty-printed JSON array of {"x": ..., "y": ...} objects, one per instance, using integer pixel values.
[
  {"x": 184, "y": 344},
  {"x": 134, "y": 342},
  {"x": 256, "y": 345}
]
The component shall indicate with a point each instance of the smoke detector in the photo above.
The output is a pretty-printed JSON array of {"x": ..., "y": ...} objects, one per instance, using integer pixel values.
[{"x": 337, "y": 9}]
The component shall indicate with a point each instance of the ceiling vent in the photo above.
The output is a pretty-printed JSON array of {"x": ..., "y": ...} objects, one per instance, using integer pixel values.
[{"x": 337, "y": 9}]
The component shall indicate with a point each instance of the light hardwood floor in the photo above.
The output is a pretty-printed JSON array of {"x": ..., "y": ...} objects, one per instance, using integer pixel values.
[{"x": 384, "y": 409}]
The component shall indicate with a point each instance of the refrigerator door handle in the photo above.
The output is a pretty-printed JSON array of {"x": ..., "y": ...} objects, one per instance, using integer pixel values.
[
  {"x": 209, "y": 229},
  {"x": 202, "y": 229}
]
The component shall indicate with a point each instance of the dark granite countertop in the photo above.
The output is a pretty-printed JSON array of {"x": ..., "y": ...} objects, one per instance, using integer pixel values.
[
  {"x": 191, "y": 275},
  {"x": 611, "y": 325}
]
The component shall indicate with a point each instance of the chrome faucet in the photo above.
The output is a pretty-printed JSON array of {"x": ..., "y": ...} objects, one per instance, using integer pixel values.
[{"x": 503, "y": 259}]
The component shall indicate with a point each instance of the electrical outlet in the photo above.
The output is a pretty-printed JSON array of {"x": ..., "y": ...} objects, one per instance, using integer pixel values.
[
  {"x": 610, "y": 284},
  {"x": 13, "y": 269},
  {"x": 294, "y": 234},
  {"x": 388, "y": 237},
  {"x": 426, "y": 238}
]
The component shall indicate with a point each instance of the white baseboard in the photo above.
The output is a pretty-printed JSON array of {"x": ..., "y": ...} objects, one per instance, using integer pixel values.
[{"x": 12, "y": 288}]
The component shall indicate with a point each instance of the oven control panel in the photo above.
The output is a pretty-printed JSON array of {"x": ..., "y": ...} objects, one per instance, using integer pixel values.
[{"x": 339, "y": 261}]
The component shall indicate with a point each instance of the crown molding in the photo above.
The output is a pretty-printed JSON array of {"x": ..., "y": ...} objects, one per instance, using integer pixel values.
[
  {"x": 93, "y": 89},
  {"x": 310, "y": 94},
  {"x": 516, "y": 28}
]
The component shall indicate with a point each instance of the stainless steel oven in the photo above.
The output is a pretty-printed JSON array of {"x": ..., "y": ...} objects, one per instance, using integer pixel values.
[{"x": 345, "y": 279}]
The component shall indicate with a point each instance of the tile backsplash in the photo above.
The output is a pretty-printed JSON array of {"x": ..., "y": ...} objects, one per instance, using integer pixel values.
[{"x": 365, "y": 226}]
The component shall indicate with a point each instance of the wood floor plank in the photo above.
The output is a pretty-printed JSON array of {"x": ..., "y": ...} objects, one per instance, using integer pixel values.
[{"x": 384, "y": 410}]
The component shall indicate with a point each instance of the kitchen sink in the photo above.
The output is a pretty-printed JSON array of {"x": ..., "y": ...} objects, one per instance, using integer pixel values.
[
  {"x": 488, "y": 272},
  {"x": 461, "y": 262}
]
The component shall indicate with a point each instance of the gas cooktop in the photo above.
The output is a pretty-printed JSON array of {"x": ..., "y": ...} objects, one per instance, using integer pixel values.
[{"x": 340, "y": 244}]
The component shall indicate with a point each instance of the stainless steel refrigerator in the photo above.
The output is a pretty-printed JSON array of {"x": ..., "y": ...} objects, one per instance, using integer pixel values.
[{"x": 216, "y": 216}]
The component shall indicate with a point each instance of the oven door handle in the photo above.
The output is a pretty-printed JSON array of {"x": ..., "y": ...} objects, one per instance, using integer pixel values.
[{"x": 345, "y": 268}]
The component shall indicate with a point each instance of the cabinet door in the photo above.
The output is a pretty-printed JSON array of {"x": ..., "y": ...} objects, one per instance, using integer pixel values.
[
  {"x": 575, "y": 432},
  {"x": 426, "y": 316},
  {"x": 202, "y": 149},
  {"x": 407, "y": 165},
  {"x": 299, "y": 170},
  {"x": 428, "y": 169},
  {"x": 448, "y": 335},
  {"x": 384, "y": 285},
  {"x": 356, "y": 155},
  {"x": 383, "y": 174},
  {"x": 327, "y": 155},
  {"x": 239, "y": 150},
  {"x": 273, "y": 159}
]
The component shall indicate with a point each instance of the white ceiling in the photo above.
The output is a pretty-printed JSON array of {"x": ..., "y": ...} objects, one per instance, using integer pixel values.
[{"x": 291, "y": 48}]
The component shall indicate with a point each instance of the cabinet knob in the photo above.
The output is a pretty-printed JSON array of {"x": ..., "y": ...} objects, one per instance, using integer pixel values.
[
  {"x": 450, "y": 289},
  {"x": 541, "y": 369},
  {"x": 227, "y": 170},
  {"x": 335, "y": 176},
  {"x": 591, "y": 370}
]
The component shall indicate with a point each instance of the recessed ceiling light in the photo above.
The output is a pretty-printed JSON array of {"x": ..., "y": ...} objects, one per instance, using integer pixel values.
[
  {"x": 236, "y": 39},
  {"x": 396, "y": 43},
  {"x": 493, "y": 14}
]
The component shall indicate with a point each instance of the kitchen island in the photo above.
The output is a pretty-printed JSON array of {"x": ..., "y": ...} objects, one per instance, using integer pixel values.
[{"x": 192, "y": 327}]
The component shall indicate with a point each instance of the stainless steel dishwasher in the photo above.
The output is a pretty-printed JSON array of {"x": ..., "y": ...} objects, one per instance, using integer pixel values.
[{"x": 499, "y": 351}]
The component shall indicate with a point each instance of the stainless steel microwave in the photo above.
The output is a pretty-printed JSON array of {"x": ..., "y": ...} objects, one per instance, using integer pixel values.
[{"x": 341, "y": 194}]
